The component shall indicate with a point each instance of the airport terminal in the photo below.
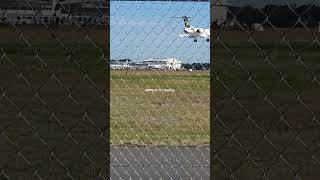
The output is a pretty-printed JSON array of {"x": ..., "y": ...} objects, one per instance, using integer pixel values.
[{"x": 52, "y": 11}]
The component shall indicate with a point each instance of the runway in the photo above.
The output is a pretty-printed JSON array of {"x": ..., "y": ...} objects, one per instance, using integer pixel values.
[{"x": 160, "y": 163}]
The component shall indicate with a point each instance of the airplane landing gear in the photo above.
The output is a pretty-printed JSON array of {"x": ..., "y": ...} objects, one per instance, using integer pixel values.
[
  {"x": 208, "y": 40},
  {"x": 195, "y": 40}
]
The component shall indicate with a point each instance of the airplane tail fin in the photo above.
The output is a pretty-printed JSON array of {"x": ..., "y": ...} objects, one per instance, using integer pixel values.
[{"x": 186, "y": 21}]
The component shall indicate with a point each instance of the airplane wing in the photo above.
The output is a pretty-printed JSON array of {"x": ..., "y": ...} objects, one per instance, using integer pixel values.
[
  {"x": 205, "y": 34},
  {"x": 183, "y": 35}
]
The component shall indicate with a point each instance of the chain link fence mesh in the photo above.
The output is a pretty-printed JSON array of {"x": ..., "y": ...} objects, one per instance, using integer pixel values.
[
  {"x": 265, "y": 86},
  {"x": 54, "y": 98},
  {"x": 159, "y": 91}
]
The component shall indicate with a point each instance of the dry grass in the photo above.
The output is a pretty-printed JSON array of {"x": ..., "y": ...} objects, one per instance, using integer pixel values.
[
  {"x": 263, "y": 119},
  {"x": 40, "y": 34}
]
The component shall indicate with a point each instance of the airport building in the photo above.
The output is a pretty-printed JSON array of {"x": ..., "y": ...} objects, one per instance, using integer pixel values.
[
  {"x": 219, "y": 12},
  {"x": 120, "y": 64},
  {"x": 50, "y": 11},
  {"x": 162, "y": 64}
]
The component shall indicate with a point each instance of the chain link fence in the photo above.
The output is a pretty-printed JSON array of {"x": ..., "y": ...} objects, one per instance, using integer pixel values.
[
  {"x": 265, "y": 121},
  {"x": 54, "y": 98},
  {"x": 159, "y": 90},
  {"x": 54, "y": 68}
]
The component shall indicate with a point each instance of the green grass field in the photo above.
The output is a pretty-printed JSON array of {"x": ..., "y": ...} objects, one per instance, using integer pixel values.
[
  {"x": 160, "y": 118},
  {"x": 40, "y": 119}
]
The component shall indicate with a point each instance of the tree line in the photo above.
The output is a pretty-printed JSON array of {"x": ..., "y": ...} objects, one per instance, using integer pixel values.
[
  {"x": 196, "y": 66},
  {"x": 281, "y": 16}
]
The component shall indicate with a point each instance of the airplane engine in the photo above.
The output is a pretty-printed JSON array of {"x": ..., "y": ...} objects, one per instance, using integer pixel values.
[{"x": 199, "y": 30}]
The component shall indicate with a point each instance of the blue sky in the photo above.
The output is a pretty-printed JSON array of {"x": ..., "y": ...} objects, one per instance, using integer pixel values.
[{"x": 142, "y": 30}]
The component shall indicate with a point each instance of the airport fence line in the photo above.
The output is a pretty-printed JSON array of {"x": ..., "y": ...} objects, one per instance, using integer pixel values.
[
  {"x": 54, "y": 100},
  {"x": 159, "y": 90},
  {"x": 265, "y": 119}
]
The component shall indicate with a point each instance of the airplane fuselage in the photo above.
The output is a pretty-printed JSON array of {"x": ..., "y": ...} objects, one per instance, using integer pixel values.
[
  {"x": 197, "y": 32},
  {"x": 192, "y": 32}
]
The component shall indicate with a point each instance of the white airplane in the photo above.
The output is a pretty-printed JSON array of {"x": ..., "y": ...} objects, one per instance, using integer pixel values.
[{"x": 192, "y": 32}]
